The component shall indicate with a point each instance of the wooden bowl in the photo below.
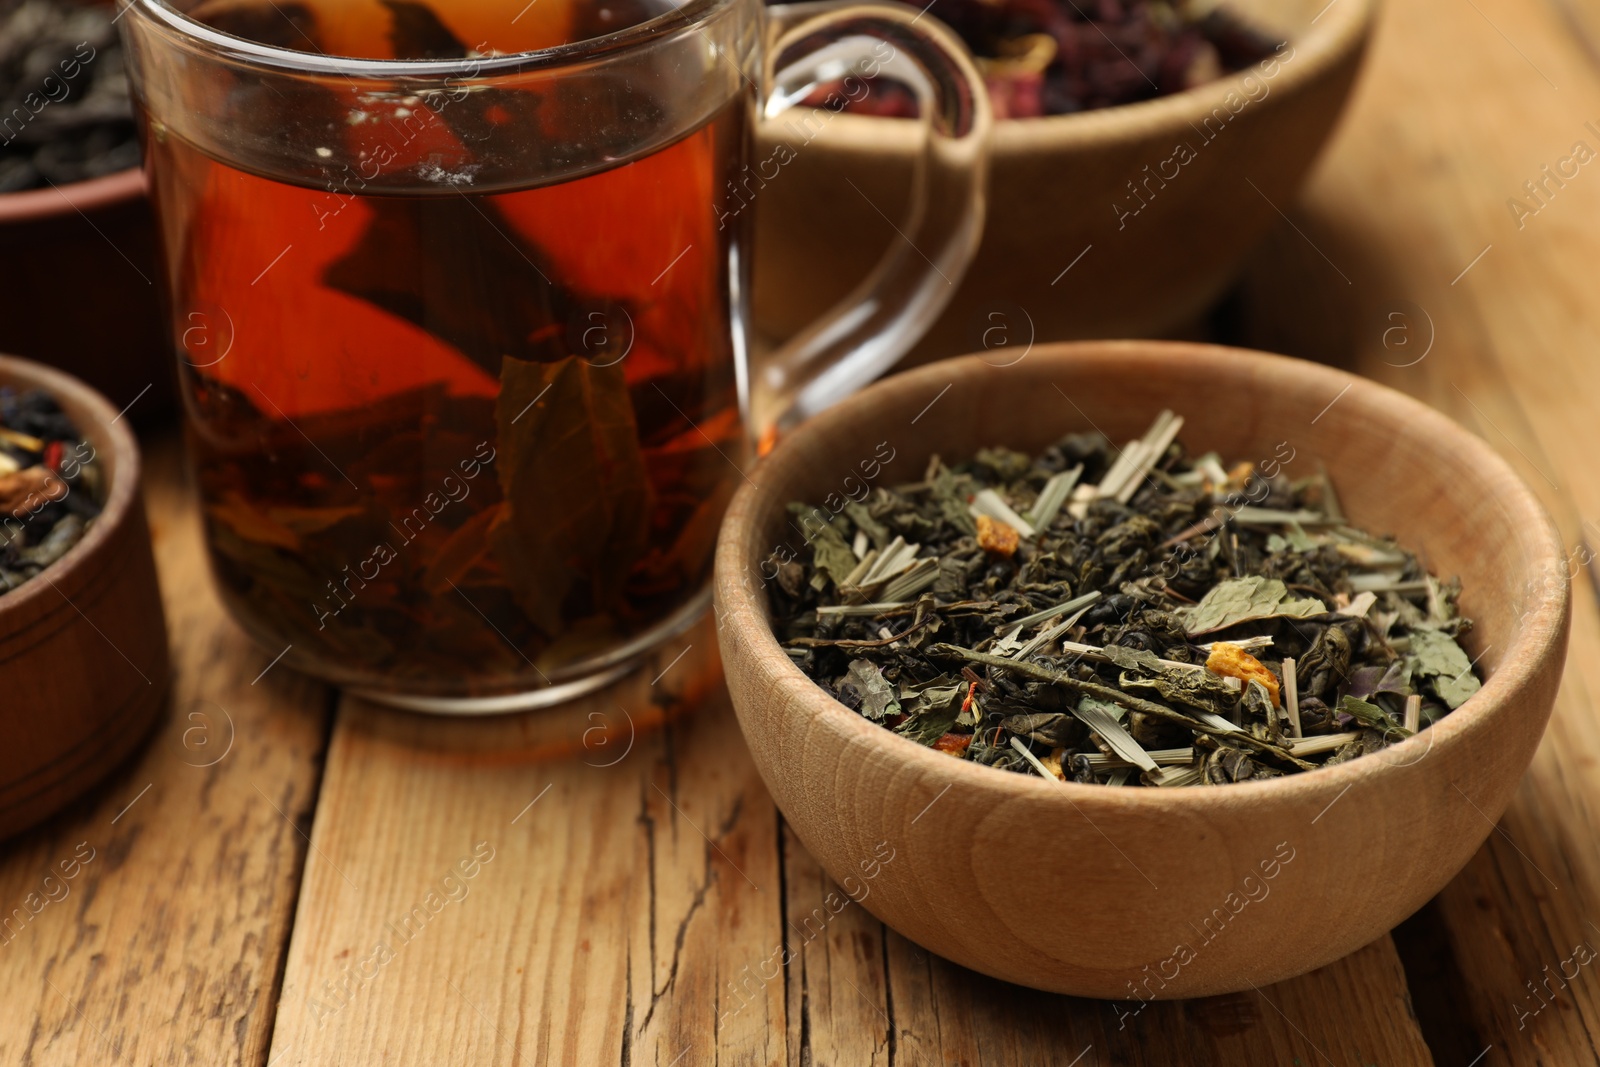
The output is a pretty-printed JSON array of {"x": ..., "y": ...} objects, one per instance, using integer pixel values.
[
  {"x": 1058, "y": 188},
  {"x": 81, "y": 292},
  {"x": 1142, "y": 893},
  {"x": 83, "y": 646}
]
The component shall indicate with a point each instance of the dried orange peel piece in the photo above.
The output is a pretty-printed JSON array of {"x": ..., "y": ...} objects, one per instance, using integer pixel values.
[
  {"x": 997, "y": 538},
  {"x": 26, "y": 491},
  {"x": 1231, "y": 661}
]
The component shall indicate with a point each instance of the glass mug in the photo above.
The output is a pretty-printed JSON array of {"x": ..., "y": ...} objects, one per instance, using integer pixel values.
[{"x": 462, "y": 324}]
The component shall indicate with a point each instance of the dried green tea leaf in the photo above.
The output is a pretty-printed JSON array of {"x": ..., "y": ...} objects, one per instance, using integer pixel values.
[
  {"x": 1259, "y": 708},
  {"x": 1372, "y": 716},
  {"x": 940, "y": 696},
  {"x": 1395, "y": 679},
  {"x": 1048, "y": 728},
  {"x": 1227, "y": 765},
  {"x": 1244, "y": 599},
  {"x": 929, "y": 724},
  {"x": 577, "y": 495},
  {"x": 1085, "y": 643},
  {"x": 952, "y": 501},
  {"x": 831, "y": 556},
  {"x": 877, "y": 531},
  {"x": 1444, "y": 665},
  {"x": 1199, "y": 690},
  {"x": 1133, "y": 659},
  {"x": 1005, "y": 464},
  {"x": 877, "y": 695}
]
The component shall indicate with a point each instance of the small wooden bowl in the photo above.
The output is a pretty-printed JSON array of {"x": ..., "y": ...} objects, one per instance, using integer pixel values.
[
  {"x": 83, "y": 646},
  {"x": 1143, "y": 893},
  {"x": 94, "y": 237},
  {"x": 1158, "y": 245}
]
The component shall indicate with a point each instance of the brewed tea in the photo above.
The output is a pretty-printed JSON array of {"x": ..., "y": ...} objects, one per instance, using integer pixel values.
[{"x": 455, "y": 427}]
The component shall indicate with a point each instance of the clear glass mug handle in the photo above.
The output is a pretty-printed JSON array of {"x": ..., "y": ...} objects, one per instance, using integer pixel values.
[{"x": 814, "y": 44}]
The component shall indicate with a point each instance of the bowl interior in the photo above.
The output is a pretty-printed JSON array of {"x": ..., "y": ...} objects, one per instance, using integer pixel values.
[
  {"x": 115, "y": 454},
  {"x": 1399, "y": 468},
  {"x": 1319, "y": 31}
]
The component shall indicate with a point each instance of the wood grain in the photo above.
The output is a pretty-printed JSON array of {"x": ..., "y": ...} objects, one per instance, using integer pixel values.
[
  {"x": 632, "y": 895},
  {"x": 165, "y": 945},
  {"x": 1408, "y": 200},
  {"x": 862, "y": 994}
]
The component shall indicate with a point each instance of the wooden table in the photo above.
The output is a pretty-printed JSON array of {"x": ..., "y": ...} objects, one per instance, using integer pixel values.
[{"x": 260, "y": 880}]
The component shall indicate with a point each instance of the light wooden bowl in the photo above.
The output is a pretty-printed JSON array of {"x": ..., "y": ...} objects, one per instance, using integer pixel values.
[
  {"x": 83, "y": 646},
  {"x": 1141, "y": 893},
  {"x": 1054, "y": 182}
]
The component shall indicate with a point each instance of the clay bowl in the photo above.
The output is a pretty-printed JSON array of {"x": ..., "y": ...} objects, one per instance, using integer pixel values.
[
  {"x": 80, "y": 293},
  {"x": 1141, "y": 893},
  {"x": 83, "y": 646},
  {"x": 1060, "y": 185}
]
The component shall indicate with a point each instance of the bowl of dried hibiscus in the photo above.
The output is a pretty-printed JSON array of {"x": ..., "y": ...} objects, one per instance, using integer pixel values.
[{"x": 1142, "y": 150}]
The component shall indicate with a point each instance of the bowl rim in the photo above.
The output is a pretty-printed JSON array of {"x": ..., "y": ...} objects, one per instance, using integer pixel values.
[
  {"x": 1347, "y": 29},
  {"x": 1538, "y": 642},
  {"x": 54, "y": 201},
  {"x": 121, "y": 498}
]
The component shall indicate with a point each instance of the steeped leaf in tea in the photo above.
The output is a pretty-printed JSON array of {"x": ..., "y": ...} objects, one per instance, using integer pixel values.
[{"x": 467, "y": 412}]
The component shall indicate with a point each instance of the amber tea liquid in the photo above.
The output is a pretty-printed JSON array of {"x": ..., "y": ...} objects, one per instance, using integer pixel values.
[{"x": 453, "y": 432}]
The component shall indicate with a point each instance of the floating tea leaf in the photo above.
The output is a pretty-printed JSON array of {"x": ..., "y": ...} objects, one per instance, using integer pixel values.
[
  {"x": 456, "y": 268},
  {"x": 577, "y": 497},
  {"x": 418, "y": 33}
]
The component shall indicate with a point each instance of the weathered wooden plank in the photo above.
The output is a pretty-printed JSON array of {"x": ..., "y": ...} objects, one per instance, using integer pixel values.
[
  {"x": 626, "y": 886},
  {"x": 839, "y": 998},
  {"x": 1422, "y": 204},
  {"x": 945, "y": 1014},
  {"x": 164, "y": 944},
  {"x": 938, "y": 1013}
]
